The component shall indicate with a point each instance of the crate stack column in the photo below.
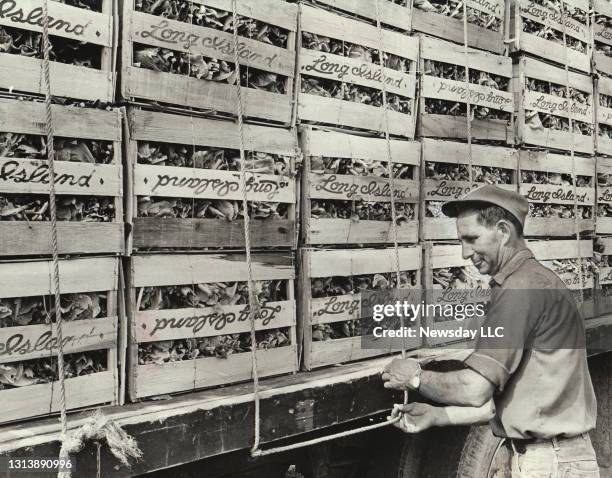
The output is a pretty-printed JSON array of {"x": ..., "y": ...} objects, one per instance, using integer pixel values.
[
  {"x": 187, "y": 285},
  {"x": 347, "y": 235},
  {"x": 89, "y": 188}
]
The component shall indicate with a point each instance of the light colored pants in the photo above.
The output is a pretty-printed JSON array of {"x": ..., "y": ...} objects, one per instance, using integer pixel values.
[{"x": 571, "y": 458}]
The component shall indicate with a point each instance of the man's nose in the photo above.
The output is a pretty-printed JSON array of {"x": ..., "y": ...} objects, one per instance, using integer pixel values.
[{"x": 466, "y": 251}]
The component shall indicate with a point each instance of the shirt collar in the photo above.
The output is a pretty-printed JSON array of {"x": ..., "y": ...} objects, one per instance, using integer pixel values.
[{"x": 511, "y": 266}]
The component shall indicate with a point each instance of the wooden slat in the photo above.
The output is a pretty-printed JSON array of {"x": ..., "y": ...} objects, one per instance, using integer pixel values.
[
  {"x": 25, "y": 176},
  {"x": 555, "y": 139},
  {"x": 42, "y": 399},
  {"x": 28, "y": 117},
  {"x": 181, "y": 36},
  {"x": 602, "y": 62},
  {"x": 552, "y": 194},
  {"x": 606, "y": 242},
  {"x": 552, "y": 51},
  {"x": 557, "y": 106},
  {"x": 349, "y": 70},
  {"x": 163, "y": 127},
  {"x": 31, "y": 278},
  {"x": 389, "y": 13},
  {"x": 603, "y": 225},
  {"x": 341, "y": 145},
  {"x": 161, "y": 270},
  {"x": 38, "y": 341},
  {"x": 439, "y": 228},
  {"x": 556, "y": 227},
  {"x": 197, "y": 233},
  {"x": 446, "y": 126},
  {"x": 562, "y": 249},
  {"x": 173, "y": 324},
  {"x": 447, "y": 52},
  {"x": 209, "y": 372},
  {"x": 545, "y": 161},
  {"x": 456, "y": 91},
  {"x": 556, "y": 20},
  {"x": 457, "y": 153},
  {"x": 345, "y": 231},
  {"x": 442, "y": 190},
  {"x": 321, "y": 22},
  {"x": 543, "y": 71},
  {"x": 181, "y": 182},
  {"x": 447, "y": 255},
  {"x": 327, "y": 263},
  {"x": 326, "y": 310},
  {"x": 361, "y": 188},
  {"x": 602, "y": 34},
  {"x": 273, "y": 12},
  {"x": 332, "y": 352},
  {"x": 602, "y": 7},
  {"x": 24, "y": 74},
  {"x": 184, "y": 91}
]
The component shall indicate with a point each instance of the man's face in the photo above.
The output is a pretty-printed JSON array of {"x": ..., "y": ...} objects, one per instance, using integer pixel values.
[{"x": 479, "y": 243}]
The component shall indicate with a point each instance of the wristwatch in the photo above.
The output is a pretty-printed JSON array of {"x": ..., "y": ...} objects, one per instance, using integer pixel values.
[{"x": 415, "y": 381}]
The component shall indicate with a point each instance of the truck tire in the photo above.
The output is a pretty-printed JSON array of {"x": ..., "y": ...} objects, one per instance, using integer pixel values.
[{"x": 484, "y": 455}]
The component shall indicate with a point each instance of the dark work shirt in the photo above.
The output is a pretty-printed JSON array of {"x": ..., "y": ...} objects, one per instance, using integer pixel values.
[{"x": 542, "y": 381}]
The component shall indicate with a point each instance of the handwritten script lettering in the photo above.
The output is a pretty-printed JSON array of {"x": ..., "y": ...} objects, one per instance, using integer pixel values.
[
  {"x": 19, "y": 173},
  {"x": 218, "y": 42},
  {"x": 19, "y": 344},
  {"x": 443, "y": 189},
  {"x": 335, "y": 305},
  {"x": 605, "y": 196},
  {"x": 461, "y": 296},
  {"x": 485, "y": 6},
  {"x": 544, "y": 14},
  {"x": 476, "y": 97},
  {"x": 335, "y": 185},
  {"x": 553, "y": 106},
  {"x": 535, "y": 194},
  {"x": 216, "y": 320},
  {"x": 10, "y": 11}
]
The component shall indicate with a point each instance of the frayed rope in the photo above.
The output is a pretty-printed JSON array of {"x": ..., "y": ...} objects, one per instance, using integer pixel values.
[{"x": 99, "y": 427}]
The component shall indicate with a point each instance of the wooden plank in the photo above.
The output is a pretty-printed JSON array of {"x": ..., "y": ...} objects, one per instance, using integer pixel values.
[
  {"x": 540, "y": 70},
  {"x": 456, "y": 91},
  {"x": 531, "y": 160},
  {"x": 602, "y": 62},
  {"x": 326, "y": 263},
  {"x": 603, "y": 145},
  {"x": 28, "y": 117},
  {"x": 361, "y": 188},
  {"x": 321, "y": 22},
  {"x": 453, "y": 152},
  {"x": 340, "y": 308},
  {"x": 602, "y": 34},
  {"x": 182, "y": 182},
  {"x": 442, "y": 190},
  {"x": 447, "y": 52},
  {"x": 555, "y": 105},
  {"x": 389, "y": 13},
  {"x": 555, "y": 139},
  {"x": 350, "y": 70},
  {"x": 180, "y": 269},
  {"x": 74, "y": 23},
  {"x": 556, "y": 20},
  {"x": 31, "y": 176},
  {"x": 212, "y": 371},
  {"x": 552, "y": 51},
  {"x": 19, "y": 73},
  {"x": 181, "y": 90},
  {"x": 197, "y": 40},
  {"x": 339, "y": 112},
  {"x": 439, "y": 228},
  {"x": 190, "y": 130},
  {"x": 553, "y": 194},
  {"x": 345, "y": 231},
  {"x": 341, "y": 145},
  {"x": 455, "y": 127},
  {"x": 151, "y": 232},
  {"x": 38, "y": 341},
  {"x": 72, "y": 238},
  {"x": 43, "y": 399},
  {"x": 268, "y": 11},
  {"x": 603, "y": 225},
  {"x": 602, "y": 7},
  {"x": 173, "y": 324},
  {"x": 555, "y": 226},
  {"x": 560, "y": 249},
  {"x": 34, "y": 277},
  {"x": 448, "y": 255},
  {"x": 332, "y": 352}
]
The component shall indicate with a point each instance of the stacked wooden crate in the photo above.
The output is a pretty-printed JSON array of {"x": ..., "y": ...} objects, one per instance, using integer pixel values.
[
  {"x": 346, "y": 188},
  {"x": 189, "y": 324}
]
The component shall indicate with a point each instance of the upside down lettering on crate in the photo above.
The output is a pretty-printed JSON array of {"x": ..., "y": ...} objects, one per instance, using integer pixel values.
[
  {"x": 88, "y": 180},
  {"x": 190, "y": 324},
  {"x": 346, "y": 189},
  {"x": 184, "y": 179},
  {"x": 29, "y": 342}
]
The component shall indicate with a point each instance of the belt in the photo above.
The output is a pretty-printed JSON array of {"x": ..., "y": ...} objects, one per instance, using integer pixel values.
[{"x": 520, "y": 445}]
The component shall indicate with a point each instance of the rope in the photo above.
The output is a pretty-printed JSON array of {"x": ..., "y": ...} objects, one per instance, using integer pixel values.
[
  {"x": 253, "y": 301},
  {"x": 53, "y": 212},
  {"x": 468, "y": 103}
]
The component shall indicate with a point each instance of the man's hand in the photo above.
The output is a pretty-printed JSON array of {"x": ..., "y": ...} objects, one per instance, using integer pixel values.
[
  {"x": 398, "y": 372},
  {"x": 416, "y": 417}
]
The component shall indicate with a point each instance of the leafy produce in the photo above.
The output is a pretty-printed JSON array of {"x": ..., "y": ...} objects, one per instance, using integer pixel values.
[
  {"x": 606, "y": 23},
  {"x": 466, "y": 277},
  {"x": 45, "y": 370},
  {"x": 454, "y": 9},
  {"x": 569, "y": 270},
  {"x": 359, "y": 167},
  {"x": 215, "y": 294},
  {"x": 31, "y": 207}
]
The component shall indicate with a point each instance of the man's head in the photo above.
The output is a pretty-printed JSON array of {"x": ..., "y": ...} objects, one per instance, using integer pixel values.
[{"x": 490, "y": 225}]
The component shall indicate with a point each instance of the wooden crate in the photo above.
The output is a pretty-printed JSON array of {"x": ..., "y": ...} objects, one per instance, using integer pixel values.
[
  {"x": 28, "y": 176},
  {"x": 177, "y": 89},
  {"x": 544, "y": 250},
  {"x": 454, "y": 92},
  {"x": 557, "y": 194},
  {"x": 602, "y": 38},
  {"x": 603, "y": 115},
  {"x": 190, "y": 323},
  {"x": 446, "y": 256},
  {"x": 391, "y": 14},
  {"x": 344, "y": 70},
  {"x": 528, "y": 100},
  {"x": 24, "y": 74},
  {"x": 320, "y": 186},
  {"x": 192, "y": 183},
  {"x": 451, "y": 28},
  {"x": 603, "y": 224},
  {"x": 324, "y": 263},
  {"x": 30, "y": 342},
  {"x": 441, "y": 190},
  {"x": 521, "y": 11}
]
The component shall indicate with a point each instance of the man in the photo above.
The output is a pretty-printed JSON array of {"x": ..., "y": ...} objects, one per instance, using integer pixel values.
[{"x": 536, "y": 393}]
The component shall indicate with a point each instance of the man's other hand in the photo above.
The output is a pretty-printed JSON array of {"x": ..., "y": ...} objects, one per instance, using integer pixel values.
[
  {"x": 398, "y": 372},
  {"x": 416, "y": 417}
]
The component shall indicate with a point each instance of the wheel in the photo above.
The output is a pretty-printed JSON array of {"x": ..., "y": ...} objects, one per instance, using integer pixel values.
[{"x": 484, "y": 455}]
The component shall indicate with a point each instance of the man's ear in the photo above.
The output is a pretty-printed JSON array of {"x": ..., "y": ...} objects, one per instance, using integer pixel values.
[{"x": 506, "y": 229}]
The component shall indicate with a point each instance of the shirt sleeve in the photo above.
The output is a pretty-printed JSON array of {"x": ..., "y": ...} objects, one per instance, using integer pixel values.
[{"x": 497, "y": 358}]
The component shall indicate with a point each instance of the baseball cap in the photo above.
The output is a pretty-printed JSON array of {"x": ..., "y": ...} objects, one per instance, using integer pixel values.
[{"x": 511, "y": 201}]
